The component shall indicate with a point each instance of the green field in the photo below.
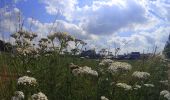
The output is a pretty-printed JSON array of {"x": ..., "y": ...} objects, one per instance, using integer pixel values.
[{"x": 56, "y": 81}]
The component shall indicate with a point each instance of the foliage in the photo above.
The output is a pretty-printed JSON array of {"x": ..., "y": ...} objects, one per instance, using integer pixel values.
[{"x": 167, "y": 48}]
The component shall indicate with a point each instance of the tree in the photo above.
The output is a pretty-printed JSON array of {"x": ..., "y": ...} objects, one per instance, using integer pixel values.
[{"x": 166, "y": 50}]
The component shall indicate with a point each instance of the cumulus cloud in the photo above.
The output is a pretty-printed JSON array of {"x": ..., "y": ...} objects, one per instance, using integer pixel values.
[
  {"x": 143, "y": 23},
  {"x": 108, "y": 18},
  {"x": 63, "y": 7},
  {"x": 9, "y": 19},
  {"x": 43, "y": 29}
]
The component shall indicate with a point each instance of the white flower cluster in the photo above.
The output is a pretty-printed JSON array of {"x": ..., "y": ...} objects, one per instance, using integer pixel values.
[
  {"x": 124, "y": 86},
  {"x": 165, "y": 82},
  {"x": 165, "y": 94},
  {"x": 26, "y": 80},
  {"x": 136, "y": 87},
  {"x": 39, "y": 96},
  {"x": 61, "y": 35},
  {"x": 23, "y": 38},
  {"x": 26, "y": 51},
  {"x": 25, "y": 34},
  {"x": 119, "y": 67},
  {"x": 104, "y": 98},
  {"x": 140, "y": 75},
  {"x": 105, "y": 62},
  {"x": 43, "y": 43},
  {"x": 149, "y": 85},
  {"x": 76, "y": 70},
  {"x": 19, "y": 95}
]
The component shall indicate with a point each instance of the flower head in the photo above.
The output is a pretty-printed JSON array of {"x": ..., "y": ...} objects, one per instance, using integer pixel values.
[
  {"x": 26, "y": 80},
  {"x": 124, "y": 86},
  {"x": 136, "y": 87},
  {"x": 104, "y": 98},
  {"x": 39, "y": 96},
  {"x": 105, "y": 62},
  {"x": 164, "y": 92},
  {"x": 149, "y": 85},
  {"x": 76, "y": 70},
  {"x": 140, "y": 75},
  {"x": 117, "y": 67},
  {"x": 19, "y": 94}
]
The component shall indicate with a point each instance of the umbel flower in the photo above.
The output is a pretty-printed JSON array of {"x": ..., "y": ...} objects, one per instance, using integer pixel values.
[
  {"x": 124, "y": 86},
  {"x": 149, "y": 85},
  {"x": 165, "y": 94},
  {"x": 117, "y": 67},
  {"x": 39, "y": 96},
  {"x": 165, "y": 82},
  {"x": 136, "y": 87},
  {"x": 19, "y": 95},
  {"x": 105, "y": 62},
  {"x": 104, "y": 98},
  {"x": 26, "y": 80},
  {"x": 140, "y": 75},
  {"x": 76, "y": 70}
]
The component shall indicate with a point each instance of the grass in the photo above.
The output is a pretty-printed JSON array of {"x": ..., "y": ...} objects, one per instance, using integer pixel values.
[{"x": 57, "y": 82}]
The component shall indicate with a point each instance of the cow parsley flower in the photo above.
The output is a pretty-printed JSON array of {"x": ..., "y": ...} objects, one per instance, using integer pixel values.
[
  {"x": 140, "y": 75},
  {"x": 26, "y": 80},
  {"x": 124, "y": 86},
  {"x": 39, "y": 96},
  {"x": 165, "y": 82},
  {"x": 19, "y": 94},
  {"x": 167, "y": 96},
  {"x": 164, "y": 92},
  {"x": 84, "y": 70},
  {"x": 104, "y": 98},
  {"x": 149, "y": 85},
  {"x": 105, "y": 62},
  {"x": 117, "y": 67},
  {"x": 136, "y": 87}
]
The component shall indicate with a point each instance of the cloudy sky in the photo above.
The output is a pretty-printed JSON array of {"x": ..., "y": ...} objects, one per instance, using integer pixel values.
[{"x": 132, "y": 25}]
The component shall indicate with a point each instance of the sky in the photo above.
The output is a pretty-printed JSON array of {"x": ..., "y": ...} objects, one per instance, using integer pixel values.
[{"x": 132, "y": 25}]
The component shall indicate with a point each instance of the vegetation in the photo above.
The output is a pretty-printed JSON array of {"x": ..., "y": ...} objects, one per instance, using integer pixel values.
[
  {"x": 167, "y": 48},
  {"x": 44, "y": 71}
]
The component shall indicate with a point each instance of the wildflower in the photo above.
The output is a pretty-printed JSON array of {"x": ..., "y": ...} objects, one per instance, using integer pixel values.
[
  {"x": 119, "y": 67},
  {"x": 149, "y": 85},
  {"x": 39, "y": 96},
  {"x": 165, "y": 82},
  {"x": 26, "y": 80},
  {"x": 72, "y": 66},
  {"x": 104, "y": 98},
  {"x": 136, "y": 87},
  {"x": 51, "y": 37},
  {"x": 26, "y": 41},
  {"x": 28, "y": 71},
  {"x": 124, "y": 86},
  {"x": 140, "y": 75},
  {"x": 82, "y": 57},
  {"x": 83, "y": 70},
  {"x": 105, "y": 62},
  {"x": 15, "y": 35},
  {"x": 164, "y": 92},
  {"x": 167, "y": 96},
  {"x": 19, "y": 95}
]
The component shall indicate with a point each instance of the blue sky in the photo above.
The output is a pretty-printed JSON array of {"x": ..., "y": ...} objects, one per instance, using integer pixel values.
[{"x": 141, "y": 24}]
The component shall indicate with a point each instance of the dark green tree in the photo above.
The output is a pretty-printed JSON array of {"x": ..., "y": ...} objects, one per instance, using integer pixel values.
[{"x": 166, "y": 50}]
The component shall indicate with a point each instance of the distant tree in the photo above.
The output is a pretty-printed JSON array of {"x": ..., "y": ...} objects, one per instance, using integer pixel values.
[
  {"x": 5, "y": 47},
  {"x": 166, "y": 50}
]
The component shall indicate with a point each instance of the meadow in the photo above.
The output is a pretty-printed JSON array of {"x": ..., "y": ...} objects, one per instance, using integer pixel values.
[{"x": 43, "y": 72}]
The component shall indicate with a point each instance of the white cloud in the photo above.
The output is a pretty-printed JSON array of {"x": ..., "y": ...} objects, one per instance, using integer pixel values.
[
  {"x": 9, "y": 20},
  {"x": 64, "y": 7}
]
